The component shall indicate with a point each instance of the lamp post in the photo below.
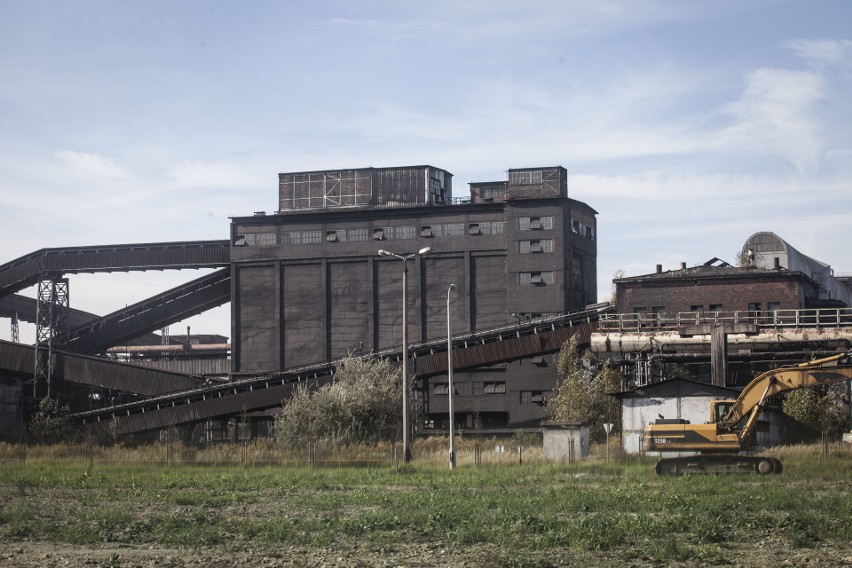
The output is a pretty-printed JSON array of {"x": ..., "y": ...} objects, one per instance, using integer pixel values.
[
  {"x": 406, "y": 446},
  {"x": 450, "y": 378}
]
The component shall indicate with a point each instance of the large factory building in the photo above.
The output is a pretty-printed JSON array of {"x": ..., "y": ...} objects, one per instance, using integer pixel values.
[{"x": 309, "y": 285}]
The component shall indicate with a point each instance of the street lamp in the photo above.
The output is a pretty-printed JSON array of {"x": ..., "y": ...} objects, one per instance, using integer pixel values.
[
  {"x": 406, "y": 447},
  {"x": 450, "y": 377}
]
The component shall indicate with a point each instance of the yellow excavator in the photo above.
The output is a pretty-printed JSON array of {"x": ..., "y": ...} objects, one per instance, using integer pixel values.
[{"x": 716, "y": 446}]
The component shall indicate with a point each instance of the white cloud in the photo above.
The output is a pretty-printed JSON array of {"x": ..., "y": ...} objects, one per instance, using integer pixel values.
[
  {"x": 775, "y": 115},
  {"x": 91, "y": 165},
  {"x": 822, "y": 51}
]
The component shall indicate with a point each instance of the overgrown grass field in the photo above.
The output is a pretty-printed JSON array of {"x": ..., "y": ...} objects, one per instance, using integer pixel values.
[{"x": 589, "y": 514}]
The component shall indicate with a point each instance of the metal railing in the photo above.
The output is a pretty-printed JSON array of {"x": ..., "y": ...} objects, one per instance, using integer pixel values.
[{"x": 810, "y": 318}]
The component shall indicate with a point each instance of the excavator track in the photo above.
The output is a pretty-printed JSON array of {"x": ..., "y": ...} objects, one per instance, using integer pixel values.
[{"x": 719, "y": 464}]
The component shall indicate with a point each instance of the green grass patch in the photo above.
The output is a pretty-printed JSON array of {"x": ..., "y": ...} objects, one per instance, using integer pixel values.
[{"x": 528, "y": 515}]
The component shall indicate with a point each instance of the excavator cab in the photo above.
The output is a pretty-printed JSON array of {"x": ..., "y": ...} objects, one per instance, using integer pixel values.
[{"x": 719, "y": 409}]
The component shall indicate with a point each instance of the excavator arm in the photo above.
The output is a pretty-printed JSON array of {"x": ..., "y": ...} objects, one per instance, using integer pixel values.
[{"x": 805, "y": 375}]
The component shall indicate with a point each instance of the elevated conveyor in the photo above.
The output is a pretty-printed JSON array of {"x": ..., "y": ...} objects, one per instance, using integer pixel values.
[
  {"x": 25, "y": 271},
  {"x": 179, "y": 303},
  {"x": 251, "y": 394},
  {"x": 18, "y": 359}
]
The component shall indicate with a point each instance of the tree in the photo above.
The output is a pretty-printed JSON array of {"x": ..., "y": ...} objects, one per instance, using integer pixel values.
[
  {"x": 581, "y": 394},
  {"x": 51, "y": 424},
  {"x": 819, "y": 408},
  {"x": 363, "y": 404}
]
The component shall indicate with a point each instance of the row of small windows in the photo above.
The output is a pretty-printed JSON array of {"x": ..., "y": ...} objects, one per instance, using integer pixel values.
[
  {"x": 753, "y": 308},
  {"x": 489, "y": 387},
  {"x": 580, "y": 228},
  {"x": 395, "y": 232},
  {"x": 478, "y": 387},
  {"x": 525, "y": 178}
]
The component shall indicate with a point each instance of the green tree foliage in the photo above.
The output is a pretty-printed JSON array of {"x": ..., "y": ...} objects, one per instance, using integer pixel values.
[
  {"x": 818, "y": 408},
  {"x": 363, "y": 404},
  {"x": 581, "y": 394},
  {"x": 51, "y": 424}
]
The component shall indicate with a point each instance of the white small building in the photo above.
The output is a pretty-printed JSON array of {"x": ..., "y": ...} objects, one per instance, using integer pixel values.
[
  {"x": 687, "y": 400},
  {"x": 565, "y": 441}
]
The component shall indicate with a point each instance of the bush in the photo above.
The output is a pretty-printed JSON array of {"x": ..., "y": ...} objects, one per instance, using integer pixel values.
[{"x": 363, "y": 404}]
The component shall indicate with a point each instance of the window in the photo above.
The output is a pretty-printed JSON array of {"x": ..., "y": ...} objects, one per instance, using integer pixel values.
[
  {"x": 773, "y": 307},
  {"x": 357, "y": 234},
  {"x": 404, "y": 232},
  {"x": 440, "y": 388},
  {"x": 454, "y": 229},
  {"x": 580, "y": 228},
  {"x": 293, "y": 237},
  {"x": 240, "y": 241},
  {"x": 492, "y": 191},
  {"x": 715, "y": 307},
  {"x": 311, "y": 237},
  {"x": 426, "y": 231},
  {"x": 473, "y": 229},
  {"x": 697, "y": 308},
  {"x": 525, "y": 178},
  {"x": 493, "y": 387},
  {"x": 544, "y": 245},
  {"x": 533, "y": 397},
  {"x": 536, "y": 278},
  {"x": 378, "y": 234},
  {"x": 334, "y": 236},
  {"x": 257, "y": 240},
  {"x": 754, "y": 308},
  {"x": 534, "y": 223}
]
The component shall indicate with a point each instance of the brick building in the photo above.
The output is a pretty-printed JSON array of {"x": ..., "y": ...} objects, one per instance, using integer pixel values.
[{"x": 714, "y": 288}]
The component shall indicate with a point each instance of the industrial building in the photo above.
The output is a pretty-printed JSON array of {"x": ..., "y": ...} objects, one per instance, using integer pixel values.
[
  {"x": 309, "y": 285},
  {"x": 726, "y": 323}
]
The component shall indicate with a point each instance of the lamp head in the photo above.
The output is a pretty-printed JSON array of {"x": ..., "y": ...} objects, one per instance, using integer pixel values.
[
  {"x": 425, "y": 250},
  {"x": 383, "y": 252}
]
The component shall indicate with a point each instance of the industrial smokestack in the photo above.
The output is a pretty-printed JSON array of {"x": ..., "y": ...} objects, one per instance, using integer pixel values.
[
  {"x": 683, "y": 266},
  {"x": 659, "y": 269}
]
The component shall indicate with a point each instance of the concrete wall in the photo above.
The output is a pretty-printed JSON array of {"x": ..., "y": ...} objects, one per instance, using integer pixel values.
[{"x": 564, "y": 442}]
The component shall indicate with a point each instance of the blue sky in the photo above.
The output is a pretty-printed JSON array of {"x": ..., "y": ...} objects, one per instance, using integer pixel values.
[{"x": 687, "y": 125}]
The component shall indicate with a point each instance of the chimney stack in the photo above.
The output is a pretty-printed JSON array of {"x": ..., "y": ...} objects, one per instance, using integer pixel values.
[
  {"x": 683, "y": 266},
  {"x": 659, "y": 269}
]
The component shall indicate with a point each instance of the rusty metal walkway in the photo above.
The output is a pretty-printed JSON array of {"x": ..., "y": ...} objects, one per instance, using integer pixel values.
[
  {"x": 25, "y": 271},
  {"x": 250, "y": 394}
]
